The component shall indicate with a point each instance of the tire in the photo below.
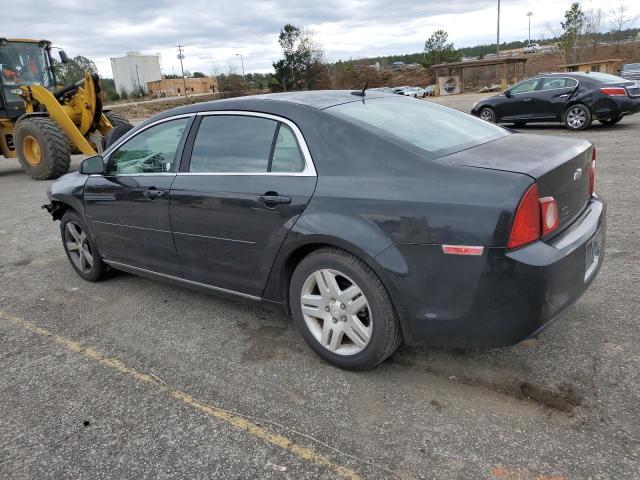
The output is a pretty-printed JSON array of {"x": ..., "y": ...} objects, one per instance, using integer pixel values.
[
  {"x": 611, "y": 121},
  {"x": 367, "y": 314},
  {"x": 488, "y": 114},
  {"x": 43, "y": 149},
  {"x": 120, "y": 126},
  {"x": 577, "y": 117},
  {"x": 519, "y": 124},
  {"x": 93, "y": 270}
]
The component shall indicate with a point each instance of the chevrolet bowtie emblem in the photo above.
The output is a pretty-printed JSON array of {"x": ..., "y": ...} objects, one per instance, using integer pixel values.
[{"x": 577, "y": 175}]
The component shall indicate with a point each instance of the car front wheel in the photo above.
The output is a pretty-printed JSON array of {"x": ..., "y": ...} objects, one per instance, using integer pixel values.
[
  {"x": 488, "y": 114},
  {"x": 577, "y": 117},
  {"x": 343, "y": 310},
  {"x": 80, "y": 248}
]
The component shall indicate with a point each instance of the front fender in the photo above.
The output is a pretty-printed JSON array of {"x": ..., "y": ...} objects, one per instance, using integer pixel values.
[{"x": 66, "y": 191}]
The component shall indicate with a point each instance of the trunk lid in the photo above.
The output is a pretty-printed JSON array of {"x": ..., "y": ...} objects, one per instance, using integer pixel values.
[{"x": 559, "y": 165}]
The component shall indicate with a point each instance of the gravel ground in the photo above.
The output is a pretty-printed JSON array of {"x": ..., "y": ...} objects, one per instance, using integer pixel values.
[{"x": 132, "y": 378}]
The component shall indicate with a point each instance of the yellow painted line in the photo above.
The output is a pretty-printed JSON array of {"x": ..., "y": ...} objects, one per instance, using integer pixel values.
[{"x": 237, "y": 421}]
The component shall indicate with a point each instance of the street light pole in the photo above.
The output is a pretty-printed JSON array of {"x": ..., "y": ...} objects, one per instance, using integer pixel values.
[
  {"x": 498, "y": 35},
  {"x": 529, "y": 14},
  {"x": 184, "y": 80}
]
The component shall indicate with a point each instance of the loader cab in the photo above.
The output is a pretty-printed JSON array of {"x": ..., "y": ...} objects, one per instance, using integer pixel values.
[{"x": 22, "y": 62}]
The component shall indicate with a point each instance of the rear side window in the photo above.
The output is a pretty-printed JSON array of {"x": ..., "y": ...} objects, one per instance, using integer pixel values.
[
  {"x": 245, "y": 144},
  {"x": 286, "y": 152},
  {"x": 432, "y": 129},
  {"x": 227, "y": 143},
  {"x": 552, "y": 83}
]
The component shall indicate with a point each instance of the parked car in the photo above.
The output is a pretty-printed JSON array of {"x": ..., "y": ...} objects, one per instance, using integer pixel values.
[
  {"x": 372, "y": 219},
  {"x": 400, "y": 90},
  {"x": 430, "y": 91},
  {"x": 575, "y": 99},
  {"x": 415, "y": 92},
  {"x": 631, "y": 71},
  {"x": 532, "y": 48}
]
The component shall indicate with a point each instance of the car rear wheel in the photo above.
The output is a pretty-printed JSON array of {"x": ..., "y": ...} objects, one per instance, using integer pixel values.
[
  {"x": 577, "y": 117},
  {"x": 611, "y": 121},
  {"x": 342, "y": 310},
  {"x": 488, "y": 114},
  {"x": 80, "y": 248}
]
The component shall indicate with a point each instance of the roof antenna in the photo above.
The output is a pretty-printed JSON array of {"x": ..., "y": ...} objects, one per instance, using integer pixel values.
[{"x": 361, "y": 93}]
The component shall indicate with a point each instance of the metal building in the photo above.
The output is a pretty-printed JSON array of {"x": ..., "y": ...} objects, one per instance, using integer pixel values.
[{"x": 133, "y": 71}]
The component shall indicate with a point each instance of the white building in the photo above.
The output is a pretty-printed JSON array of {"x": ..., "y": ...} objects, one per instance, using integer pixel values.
[{"x": 132, "y": 72}]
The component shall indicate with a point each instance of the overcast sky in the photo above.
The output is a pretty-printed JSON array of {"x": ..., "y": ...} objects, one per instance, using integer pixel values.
[{"x": 215, "y": 31}]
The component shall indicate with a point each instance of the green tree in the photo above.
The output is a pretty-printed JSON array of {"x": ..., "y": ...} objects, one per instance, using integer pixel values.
[
  {"x": 303, "y": 64},
  {"x": 572, "y": 27},
  {"x": 198, "y": 75},
  {"x": 438, "y": 50},
  {"x": 68, "y": 73}
]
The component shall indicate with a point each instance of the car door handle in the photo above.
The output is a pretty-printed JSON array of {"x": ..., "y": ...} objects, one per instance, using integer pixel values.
[
  {"x": 564, "y": 95},
  {"x": 272, "y": 200},
  {"x": 152, "y": 193},
  {"x": 527, "y": 99}
]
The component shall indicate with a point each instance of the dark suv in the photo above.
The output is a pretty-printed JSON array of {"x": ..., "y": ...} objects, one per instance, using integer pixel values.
[{"x": 575, "y": 99}]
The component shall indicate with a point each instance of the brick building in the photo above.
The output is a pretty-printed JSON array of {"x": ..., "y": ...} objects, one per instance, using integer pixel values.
[{"x": 171, "y": 87}]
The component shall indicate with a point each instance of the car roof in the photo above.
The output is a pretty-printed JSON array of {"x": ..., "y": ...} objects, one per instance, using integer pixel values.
[{"x": 319, "y": 99}]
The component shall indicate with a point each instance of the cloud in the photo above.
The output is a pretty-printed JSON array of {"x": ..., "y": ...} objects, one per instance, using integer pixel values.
[{"x": 214, "y": 32}]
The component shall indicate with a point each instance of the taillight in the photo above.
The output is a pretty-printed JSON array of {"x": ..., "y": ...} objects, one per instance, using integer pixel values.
[
  {"x": 549, "y": 215},
  {"x": 592, "y": 173},
  {"x": 614, "y": 91},
  {"x": 526, "y": 224},
  {"x": 535, "y": 218}
]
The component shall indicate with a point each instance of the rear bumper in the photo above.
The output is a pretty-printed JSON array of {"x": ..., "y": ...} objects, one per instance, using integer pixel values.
[
  {"x": 496, "y": 299},
  {"x": 611, "y": 107}
]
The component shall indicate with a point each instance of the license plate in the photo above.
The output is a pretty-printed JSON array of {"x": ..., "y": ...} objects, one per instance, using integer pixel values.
[{"x": 592, "y": 257}]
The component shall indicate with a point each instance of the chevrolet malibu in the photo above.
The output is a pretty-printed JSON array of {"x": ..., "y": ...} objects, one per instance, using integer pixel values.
[{"x": 370, "y": 218}]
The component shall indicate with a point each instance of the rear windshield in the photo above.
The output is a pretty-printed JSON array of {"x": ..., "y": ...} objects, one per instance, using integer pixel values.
[
  {"x": 631, "y": 66},
  {"x": 605, "y": 77},
  {"x": 431, "y": 129}
]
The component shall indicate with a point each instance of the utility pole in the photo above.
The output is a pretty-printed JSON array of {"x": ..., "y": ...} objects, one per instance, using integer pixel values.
[
  {"x": 529, "y": 14},
  {"x": 138, "y": 77},
  {"x": 244, "y": 81},
  {"x": 184, "y": 79},
  {"x": 498, "y": 37}
]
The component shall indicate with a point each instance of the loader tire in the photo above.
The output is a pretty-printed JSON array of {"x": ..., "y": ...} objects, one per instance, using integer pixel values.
[
  {"x": 43, "y": 148},
  {"x": 120, "y": 126}
]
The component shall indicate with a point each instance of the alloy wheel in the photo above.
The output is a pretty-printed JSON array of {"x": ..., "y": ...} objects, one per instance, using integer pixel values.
[
  {"x": 576, "y": 117},
  {"x": 487, "y": 115},
  {"x": 336, "y": 312},
  {"x": 78, "y": 246}
]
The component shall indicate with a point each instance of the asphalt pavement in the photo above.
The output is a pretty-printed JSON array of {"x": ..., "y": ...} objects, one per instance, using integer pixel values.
[{"x": 134, "y": 378}]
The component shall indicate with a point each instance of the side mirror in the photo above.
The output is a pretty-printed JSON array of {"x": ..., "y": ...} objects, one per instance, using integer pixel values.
[
  {"x": 64, "y": 58},
  {"x": 92, "y": 165},
  {"x": 507, "y": 93}
]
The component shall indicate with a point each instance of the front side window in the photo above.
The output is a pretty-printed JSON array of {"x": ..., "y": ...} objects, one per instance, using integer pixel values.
[
  {"x": 432, "y": 129},
  {"x": 245, "y": 144},
  {"x": 151, "y": 151},
  {"x": 525, "y": 87}
]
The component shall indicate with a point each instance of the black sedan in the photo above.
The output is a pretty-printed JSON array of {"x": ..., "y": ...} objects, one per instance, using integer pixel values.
[
  {"x": 575, "y": 99},
  {"x": 371, "y": 218}
]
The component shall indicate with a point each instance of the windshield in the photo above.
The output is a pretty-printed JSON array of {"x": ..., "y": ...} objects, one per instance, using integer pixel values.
[
  {"x": 23, "y": 63},
  {"x": 631, "y": 66},
  {"x": 433, "y": 130}
]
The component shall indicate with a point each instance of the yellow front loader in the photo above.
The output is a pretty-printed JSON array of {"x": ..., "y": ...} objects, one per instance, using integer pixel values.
[{"x": 42, "y": 123}]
